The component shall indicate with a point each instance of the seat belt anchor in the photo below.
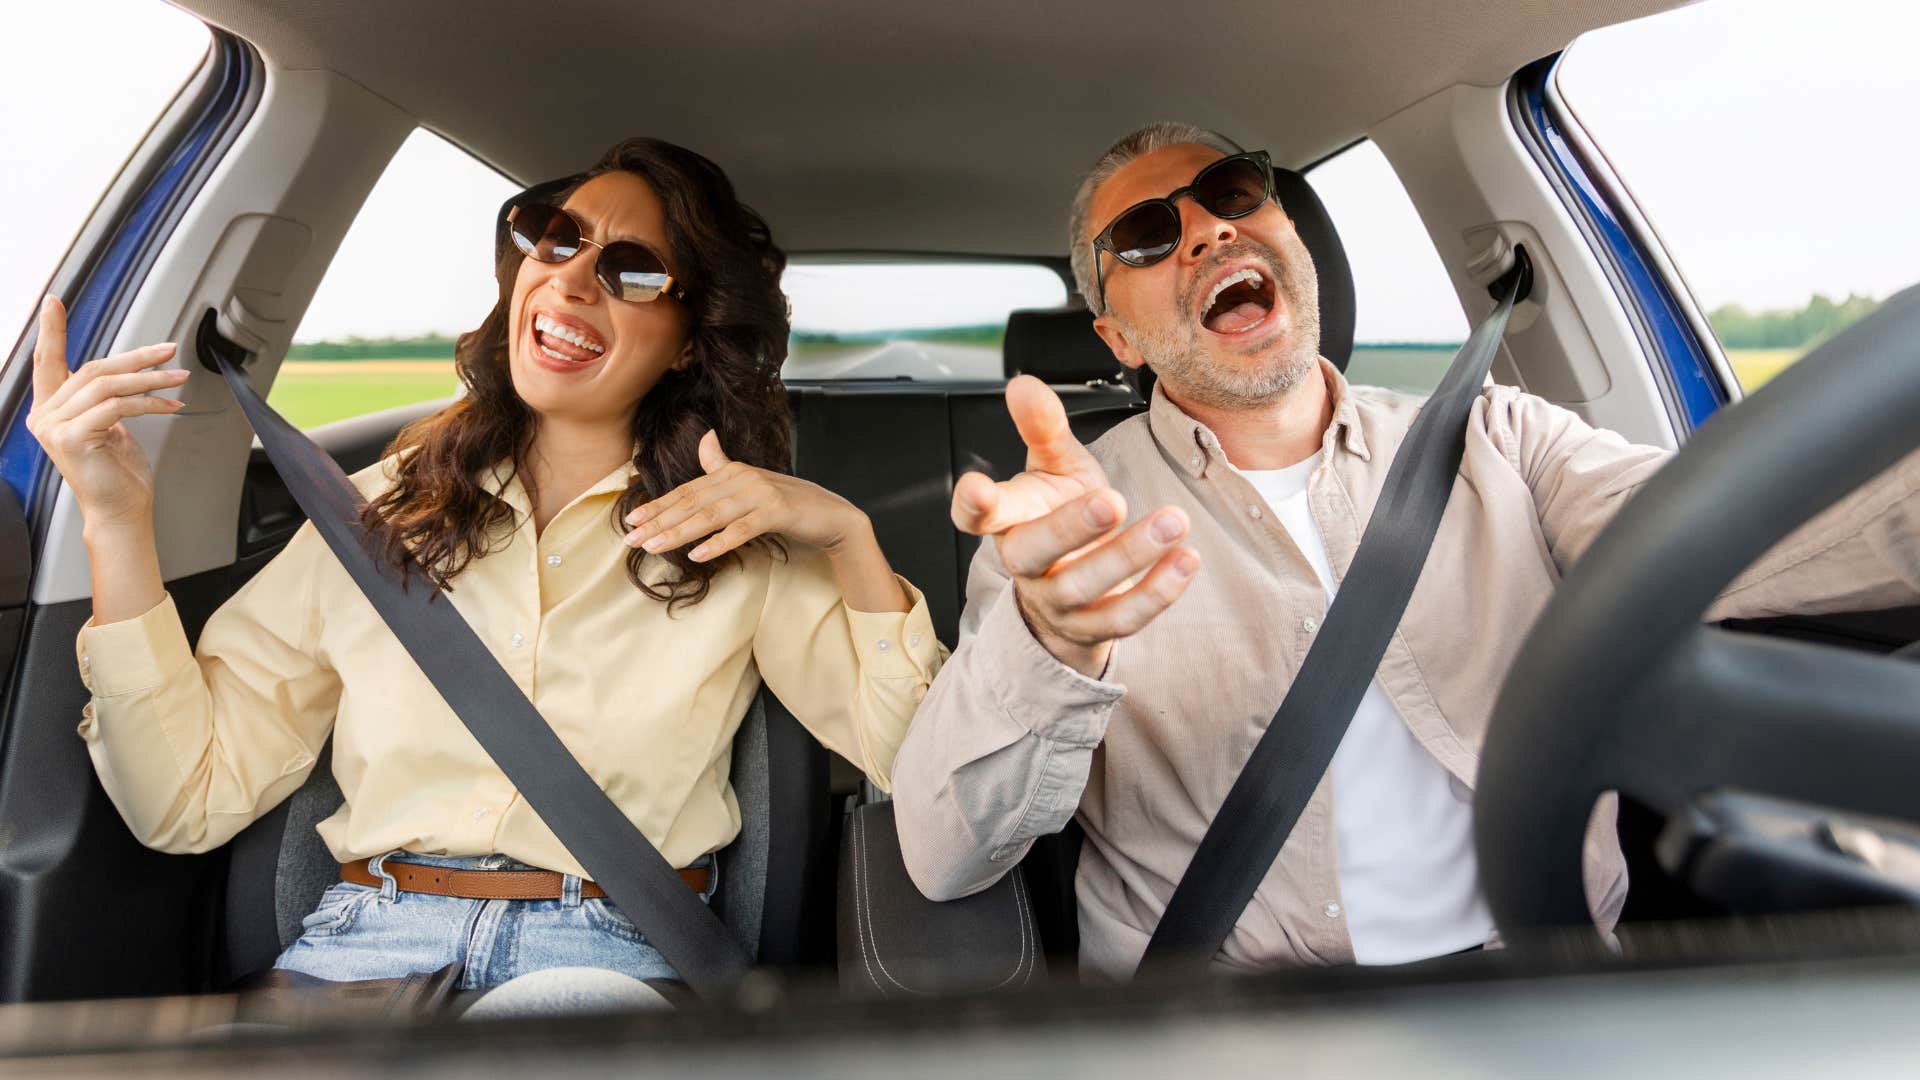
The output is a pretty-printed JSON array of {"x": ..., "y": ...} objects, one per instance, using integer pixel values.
[
  {"x": 1518, "y": 277},
  {"x": 211, "y": 345}
]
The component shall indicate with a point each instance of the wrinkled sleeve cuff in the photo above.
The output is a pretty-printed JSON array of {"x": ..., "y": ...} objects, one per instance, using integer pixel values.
[
  {"x": 133, "y": 655},
  {"x": 1039, "y": 692},
  {"x": 897, "y": 644}
]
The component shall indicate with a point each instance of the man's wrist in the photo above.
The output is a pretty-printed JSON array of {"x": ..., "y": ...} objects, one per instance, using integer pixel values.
[{"x": 1088, "y": 660}]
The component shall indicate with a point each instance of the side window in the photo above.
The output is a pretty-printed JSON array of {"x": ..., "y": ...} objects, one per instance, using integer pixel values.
[
  {"x": 914, "y": 320},
  {"x": 413, "y": 273},
  {"x": 1770, "y": 144},
  {"x": 1408, "y": 322},
  {"x": 62, "y": 137}
]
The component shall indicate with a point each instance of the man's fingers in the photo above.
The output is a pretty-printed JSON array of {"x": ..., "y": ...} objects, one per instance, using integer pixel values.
[
  {"x": 975, "y": 498},
  {"x": 1042, "y": 422},
  {"x": 1031, "y": 549},
  {"x": 1127, "y": 613},
  {"x": 982, "y": 507},
  {"x": 1085, "y": 580},
  {"x": 50, "y": 350}
]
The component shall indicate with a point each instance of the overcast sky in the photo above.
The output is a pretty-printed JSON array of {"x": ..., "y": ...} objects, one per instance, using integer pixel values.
[{"x": 1770, "y": 142}]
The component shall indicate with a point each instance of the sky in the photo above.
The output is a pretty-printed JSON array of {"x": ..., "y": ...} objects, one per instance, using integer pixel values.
[{"x": 1769, "y": 143}]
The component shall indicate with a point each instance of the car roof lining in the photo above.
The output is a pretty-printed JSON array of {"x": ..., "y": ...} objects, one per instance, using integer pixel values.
[{"x": 948, "y": 127}]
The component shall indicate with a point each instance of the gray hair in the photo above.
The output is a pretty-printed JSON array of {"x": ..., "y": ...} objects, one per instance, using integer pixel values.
[{"x": 1139, "y": 143}]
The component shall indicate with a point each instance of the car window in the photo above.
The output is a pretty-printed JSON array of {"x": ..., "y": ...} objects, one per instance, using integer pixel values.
[
  {"x": 60, "y": 147},
  {"x": 1769, "y": 143},
  {"x": 915, "y": 320},
  {"x": 414, "y": 272},
  {"x": 1408, "y": 322}
]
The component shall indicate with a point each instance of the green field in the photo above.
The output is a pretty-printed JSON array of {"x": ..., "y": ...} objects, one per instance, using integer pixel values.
[
  {"x": 312, "y": 392},
  {"x": 1755, "y": 366},
  {"x": 1417, "y": 368}
]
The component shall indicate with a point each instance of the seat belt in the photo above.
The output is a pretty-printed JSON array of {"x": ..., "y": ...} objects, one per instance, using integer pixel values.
[
  {"x": 1297, "y": 748},
  {"x": 614, "y": 852}
]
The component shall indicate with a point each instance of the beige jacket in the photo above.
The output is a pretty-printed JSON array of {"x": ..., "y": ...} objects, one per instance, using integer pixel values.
[{"x": 1010, "y": 744}]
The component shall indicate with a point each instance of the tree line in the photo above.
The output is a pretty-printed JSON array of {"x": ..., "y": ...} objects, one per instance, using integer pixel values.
[
  {"x": 423, "y": 347},
  {"x": 1782, "y": 328}
]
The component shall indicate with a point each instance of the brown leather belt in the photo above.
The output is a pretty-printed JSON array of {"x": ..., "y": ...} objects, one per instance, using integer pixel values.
[{"x": 488, "y": 884}]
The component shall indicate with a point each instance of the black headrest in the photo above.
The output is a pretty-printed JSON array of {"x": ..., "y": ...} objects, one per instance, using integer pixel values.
[
  {"x": 1060, "y": 346},
  {"x": 1330, "y": 264},
  {"x": 1057, "y": 345}
]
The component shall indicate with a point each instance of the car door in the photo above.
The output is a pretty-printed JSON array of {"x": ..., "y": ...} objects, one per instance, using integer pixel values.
[{"x": 233, "y": 201}]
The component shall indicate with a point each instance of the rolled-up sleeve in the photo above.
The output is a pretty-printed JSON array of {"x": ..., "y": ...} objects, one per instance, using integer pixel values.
[
  {"x": 1861, "y": 553},
  {"x": 194, "y": 745},
  {"x": 1000, "y": 751},
  {"x": 852, "y": 678}
]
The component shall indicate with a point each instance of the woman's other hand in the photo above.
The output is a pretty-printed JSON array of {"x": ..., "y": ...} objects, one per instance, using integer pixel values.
[
  {"x": 77, "y": 419},
  {"x": 733, "y": 503}
]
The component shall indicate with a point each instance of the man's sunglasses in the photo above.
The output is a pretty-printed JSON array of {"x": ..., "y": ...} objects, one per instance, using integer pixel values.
[
  {"x": 1148, "y": 231},
  {"x": 548, "y": 234}
]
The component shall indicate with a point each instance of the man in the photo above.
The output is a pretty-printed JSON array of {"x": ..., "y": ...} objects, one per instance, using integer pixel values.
[{"x": 1082, "y": 686}]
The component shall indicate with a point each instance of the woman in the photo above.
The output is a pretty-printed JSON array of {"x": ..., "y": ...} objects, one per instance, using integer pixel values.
[{"x": 601, "y": 506}]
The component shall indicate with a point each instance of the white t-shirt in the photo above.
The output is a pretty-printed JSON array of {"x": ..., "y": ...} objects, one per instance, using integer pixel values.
[{"x": 1403, "y": 826}]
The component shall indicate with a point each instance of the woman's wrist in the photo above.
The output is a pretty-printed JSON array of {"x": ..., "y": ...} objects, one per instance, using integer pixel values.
[
  {"x": 867, "y": 582},
  {"x": 854, "y": 535}
]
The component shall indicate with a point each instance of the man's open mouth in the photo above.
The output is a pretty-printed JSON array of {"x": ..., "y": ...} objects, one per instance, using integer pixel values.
[{"x": 1238, "y": 302}]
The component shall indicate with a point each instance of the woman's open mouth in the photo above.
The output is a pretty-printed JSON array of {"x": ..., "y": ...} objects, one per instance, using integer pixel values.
[
  {"x": 565, "y": 342},
  {"x": 1238, "y": 302}
]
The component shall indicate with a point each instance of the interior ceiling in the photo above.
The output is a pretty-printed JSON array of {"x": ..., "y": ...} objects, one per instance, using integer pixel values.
[{"x": 878, "y": 125}]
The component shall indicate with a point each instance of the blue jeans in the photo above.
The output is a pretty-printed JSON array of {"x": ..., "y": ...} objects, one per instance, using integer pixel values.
[{"x": 360, "y": 932}]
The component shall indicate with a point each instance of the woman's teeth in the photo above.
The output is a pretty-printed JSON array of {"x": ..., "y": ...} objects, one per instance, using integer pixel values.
[{"x": 561, "y": 332}]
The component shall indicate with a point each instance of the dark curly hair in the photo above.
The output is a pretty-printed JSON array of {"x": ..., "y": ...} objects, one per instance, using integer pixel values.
[{"x": 438, "y": 517}]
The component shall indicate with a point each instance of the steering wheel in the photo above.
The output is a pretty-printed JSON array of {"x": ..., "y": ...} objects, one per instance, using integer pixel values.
[{"x": 1620, "y": 686}]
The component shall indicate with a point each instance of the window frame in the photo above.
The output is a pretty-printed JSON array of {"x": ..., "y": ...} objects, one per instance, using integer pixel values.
[{"x": 1690, "y": 370}]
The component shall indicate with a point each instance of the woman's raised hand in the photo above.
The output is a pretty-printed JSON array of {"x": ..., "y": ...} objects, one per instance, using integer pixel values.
[
  {"x": 76, "y": 417},
  {"x": 733, "y": 503}
]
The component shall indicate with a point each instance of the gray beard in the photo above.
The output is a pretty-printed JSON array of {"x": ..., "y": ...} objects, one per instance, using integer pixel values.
[{"x": 1178, "y": 353}]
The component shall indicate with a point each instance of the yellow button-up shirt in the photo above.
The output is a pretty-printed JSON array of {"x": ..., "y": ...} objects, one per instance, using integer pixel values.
[{"x": 192, "y": 747}]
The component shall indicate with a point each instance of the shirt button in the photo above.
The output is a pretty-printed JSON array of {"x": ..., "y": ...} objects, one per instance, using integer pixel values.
[
  {"x": 480, "y": 814},
  {"x": 1196, "y": 461},
  {"x": 1332, "y": 909},
  {"x": 518, "y": 640},
  {"x": 913, "y": 642},
  {"x": 1253, "y": 511},
  {"x": 882, "y": 646},
  {"x": 1309, "y": 625},
  {"x": 553, "y": 560}
]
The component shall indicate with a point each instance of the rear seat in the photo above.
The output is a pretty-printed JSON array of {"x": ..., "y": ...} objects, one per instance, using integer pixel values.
[{"x": 894, "y": 449}]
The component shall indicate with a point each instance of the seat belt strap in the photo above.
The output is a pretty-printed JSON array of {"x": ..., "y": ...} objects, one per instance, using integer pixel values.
[
  {"x": 614, "y": 852},
  {"x": 1252, "y": 825}
]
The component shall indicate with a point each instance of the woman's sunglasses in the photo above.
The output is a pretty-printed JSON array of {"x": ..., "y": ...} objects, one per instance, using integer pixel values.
[
  {"x": 628, "y": 271},
  {"x": 1148, "y": 231}
]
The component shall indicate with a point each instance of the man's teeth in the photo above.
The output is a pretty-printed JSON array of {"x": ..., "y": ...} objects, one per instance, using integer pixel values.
[
  {"x": 1228, "y": 282},
  {"x": 553, "y": 329}
]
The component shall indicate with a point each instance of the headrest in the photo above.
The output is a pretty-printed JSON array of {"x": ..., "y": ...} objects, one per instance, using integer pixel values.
[
  {"x": 1330, "y": 264},
  {"x": 1058, "y": 346}
]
